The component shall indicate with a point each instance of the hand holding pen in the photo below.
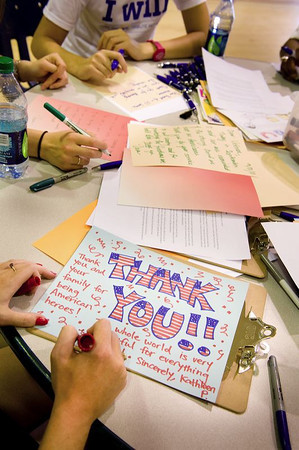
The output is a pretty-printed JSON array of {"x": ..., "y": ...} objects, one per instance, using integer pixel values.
[
  {"x": 115, "y": 63},
  {"x": 69, "y": 123}
]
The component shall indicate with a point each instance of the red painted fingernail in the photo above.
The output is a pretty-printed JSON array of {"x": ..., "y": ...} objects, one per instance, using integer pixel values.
[
  {"x": 41, "y": 321},
  {"x": 39, "y": 264}
]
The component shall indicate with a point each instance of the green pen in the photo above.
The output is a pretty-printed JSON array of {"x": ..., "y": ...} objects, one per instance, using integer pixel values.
[{"x": 69, "y": 123}]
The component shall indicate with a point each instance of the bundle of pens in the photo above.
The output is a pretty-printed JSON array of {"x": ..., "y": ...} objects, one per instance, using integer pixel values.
[{"x": 185, "y": 77}]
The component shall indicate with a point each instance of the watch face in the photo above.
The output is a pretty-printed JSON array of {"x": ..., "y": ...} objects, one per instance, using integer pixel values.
[{"x": 159, "y": 54}]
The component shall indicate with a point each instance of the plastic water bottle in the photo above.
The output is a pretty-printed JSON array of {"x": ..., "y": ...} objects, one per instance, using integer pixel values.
[
  {"x": 13, "y": 122},
  {"x": 221, "y": 22}
]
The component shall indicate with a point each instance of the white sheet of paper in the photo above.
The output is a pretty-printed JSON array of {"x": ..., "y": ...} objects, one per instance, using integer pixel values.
[
  {"x": 285, "y": 238},
  {"x": 141, "y": 95},
  {"x": 228, "y": 272},
  {"x": 238, "y": 89},
  {"x": 198, "y": 233}
]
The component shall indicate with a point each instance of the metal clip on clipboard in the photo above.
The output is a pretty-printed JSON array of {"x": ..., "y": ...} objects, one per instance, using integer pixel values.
[
  {"x": 252, "y": 331},
  {"x": 250, "y": 334},
  {"x": 258, "y": 238}
]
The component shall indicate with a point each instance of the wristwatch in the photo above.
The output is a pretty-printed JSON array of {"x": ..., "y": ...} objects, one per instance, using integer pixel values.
[{"x": 159, "y": 53}]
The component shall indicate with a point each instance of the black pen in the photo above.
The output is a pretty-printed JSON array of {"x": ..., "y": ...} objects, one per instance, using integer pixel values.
[{"x": 44, "y": 184}]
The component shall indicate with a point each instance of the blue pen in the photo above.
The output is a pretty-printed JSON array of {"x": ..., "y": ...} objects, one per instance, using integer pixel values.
[
  {"x": 109, "y": 165},
  {"x": 288, "y": 216},
  {"x": 170, "y": 82},
  {"x": 190, "y": 102},
  {"x": 115, "y": 63},
  {"x": 278, "y": 404}
]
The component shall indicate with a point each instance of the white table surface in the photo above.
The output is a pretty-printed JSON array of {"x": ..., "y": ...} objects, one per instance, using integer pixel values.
[{"x": 147, "y": 414}]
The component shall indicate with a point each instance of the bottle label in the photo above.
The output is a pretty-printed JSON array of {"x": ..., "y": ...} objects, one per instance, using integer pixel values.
[
  {"x": 216, "y": 42},
  {"x": 13, "y": 147}
]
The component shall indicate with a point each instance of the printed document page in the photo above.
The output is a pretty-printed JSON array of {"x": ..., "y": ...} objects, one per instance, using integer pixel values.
[{"x": 198, "y": 233}]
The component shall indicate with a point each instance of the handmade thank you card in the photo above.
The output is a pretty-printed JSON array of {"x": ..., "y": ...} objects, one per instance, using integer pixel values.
[{"x": 176, "y": 323}]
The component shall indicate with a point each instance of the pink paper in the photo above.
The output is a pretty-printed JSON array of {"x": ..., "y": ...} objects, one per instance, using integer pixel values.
[
  {"x": 187, "y": 188},
  {"x": 110, "y": 128}
]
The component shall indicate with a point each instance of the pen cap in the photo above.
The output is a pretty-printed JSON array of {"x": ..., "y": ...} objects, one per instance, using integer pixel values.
[
  {"x": 291, "y": 134},
  {"x": 86, "y": 342},
  {"x": 54, "y": 111}
]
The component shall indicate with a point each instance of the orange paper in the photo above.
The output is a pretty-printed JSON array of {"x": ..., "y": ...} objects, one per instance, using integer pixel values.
[{"x": 61, "y": 242}]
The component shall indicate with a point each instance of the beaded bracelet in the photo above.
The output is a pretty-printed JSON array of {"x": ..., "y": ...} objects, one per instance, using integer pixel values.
[{"x": 40, "y": 144}]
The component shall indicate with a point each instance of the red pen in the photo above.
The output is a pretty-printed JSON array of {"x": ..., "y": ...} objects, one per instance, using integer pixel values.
[
  {"x": 86, "y": 342},
  {"x": 26, "y": 287}
]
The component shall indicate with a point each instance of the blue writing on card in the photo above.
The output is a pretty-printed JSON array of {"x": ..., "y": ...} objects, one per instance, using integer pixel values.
[{"x": 175, "y": 323}]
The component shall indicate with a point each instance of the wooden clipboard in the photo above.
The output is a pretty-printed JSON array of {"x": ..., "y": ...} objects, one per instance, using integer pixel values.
[{"x": 232, "y": 382}]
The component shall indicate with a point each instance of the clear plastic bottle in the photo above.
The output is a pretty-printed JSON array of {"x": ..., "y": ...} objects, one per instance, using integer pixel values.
[
  {"x": 13, "y": 122},
  {"x": 221, "y": 22}
]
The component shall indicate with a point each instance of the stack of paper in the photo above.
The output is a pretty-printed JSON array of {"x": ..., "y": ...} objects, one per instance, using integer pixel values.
[{"x": 243, "y": 96}]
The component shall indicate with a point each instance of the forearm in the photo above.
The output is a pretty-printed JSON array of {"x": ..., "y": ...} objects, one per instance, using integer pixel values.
[
  {"x": 42, "y": 46},
  {"x": 66, "y": 430},
  {"x": 185, "y": 46},
  {"x": 181, "y": 47}
]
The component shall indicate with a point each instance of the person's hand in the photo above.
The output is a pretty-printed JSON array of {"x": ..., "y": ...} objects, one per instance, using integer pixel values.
[
  {"x": 49, "y": 70},
  {"x": 119, "y": 39},
  {"x": 69, "y": 151},
  {"x": 290, "y": 63},
  {"x": 13, "y": 274},
  {"x": 87, "y": 383},
  {"x": 97, "y": 67}
]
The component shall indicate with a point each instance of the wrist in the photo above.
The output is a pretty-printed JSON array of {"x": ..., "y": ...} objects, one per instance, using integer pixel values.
[
  {"x": 74, "y": 411},
  {"x": 22, "y": 70},
  {"x": 16, "y": 70},
  {"x": 146, "y": 52},
  {"x": 158, "y": 50},
  {"x": 67, "y": 428},
  {"x": 41, "y": 146}
]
